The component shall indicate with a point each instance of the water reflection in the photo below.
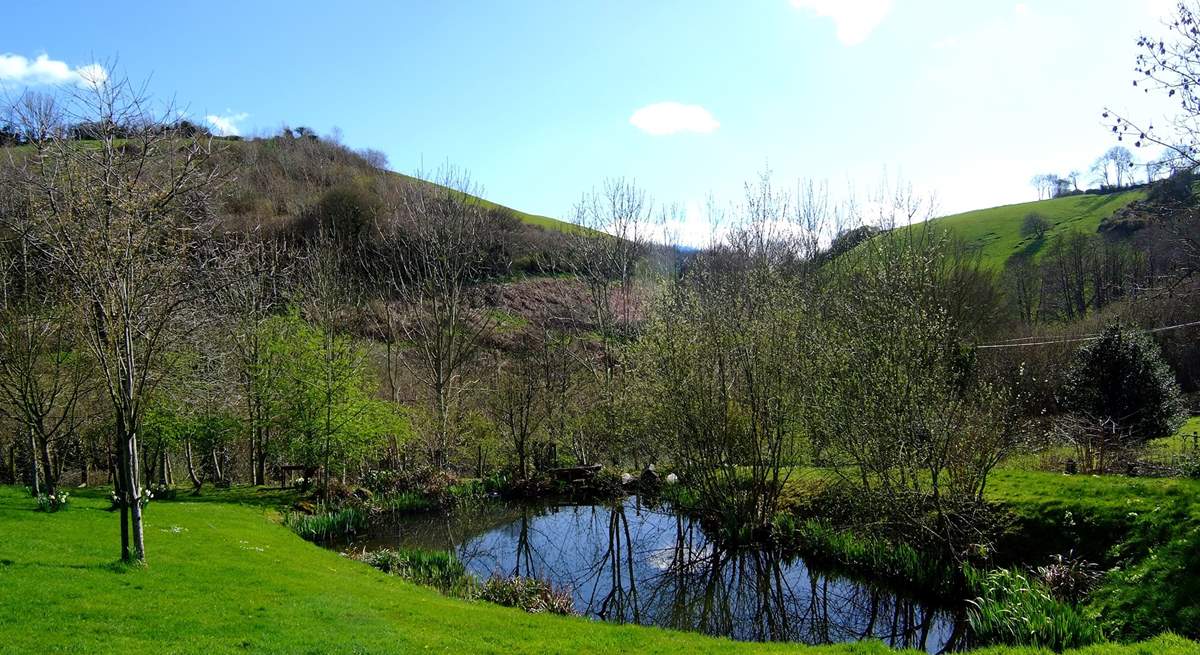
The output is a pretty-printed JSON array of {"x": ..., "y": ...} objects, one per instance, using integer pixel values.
[{"x": 632, "y": 563}]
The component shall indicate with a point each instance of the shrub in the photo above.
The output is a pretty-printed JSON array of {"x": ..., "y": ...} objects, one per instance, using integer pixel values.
[
  {"x": 1175, "y": 189},
  {"x": 1121, "y": 377},
  {"x": 343, "y": 211},
  {"x": 1034, "y": 225},
  {"x": 1069, "y": 578},
  {"x": 530, "y": 594}
]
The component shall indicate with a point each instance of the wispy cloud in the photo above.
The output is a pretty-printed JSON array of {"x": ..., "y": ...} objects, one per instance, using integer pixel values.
[
  {"x": 854, "y": 20},
  {"x": 227, "y": 125},
  {"x": 662, "y": 118},
  {"x": 44, "y": 70}
]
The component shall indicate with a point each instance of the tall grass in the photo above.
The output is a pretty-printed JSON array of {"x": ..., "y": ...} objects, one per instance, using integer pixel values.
[
  {"x": 898, "y": 564},
  {"x": 1016, "y": 610},
  {"x": 404, "y": 502},
  {"x": 530, "y": 594},
  {"x": 442, "y": 571},
  {"x": 434, "y": 568},
  {"x": 328, "y": 525}
]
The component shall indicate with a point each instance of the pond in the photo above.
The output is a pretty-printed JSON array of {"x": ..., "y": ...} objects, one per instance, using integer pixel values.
[{"x": 632, "y": 563}]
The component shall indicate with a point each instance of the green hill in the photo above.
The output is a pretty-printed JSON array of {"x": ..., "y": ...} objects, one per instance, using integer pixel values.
[{"x": 997, "y": 231}]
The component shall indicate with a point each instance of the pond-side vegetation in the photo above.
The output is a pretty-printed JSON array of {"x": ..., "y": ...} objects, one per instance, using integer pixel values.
[{"x": 644, "y": 562}]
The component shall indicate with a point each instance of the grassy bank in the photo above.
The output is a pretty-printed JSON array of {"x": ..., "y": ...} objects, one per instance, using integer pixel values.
[
  {"x": 225, "y": 576},
  {"x": 1144, "y": 531}
]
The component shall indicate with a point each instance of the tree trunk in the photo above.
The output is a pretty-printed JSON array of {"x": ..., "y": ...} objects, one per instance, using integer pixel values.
[
  {"x": 139, "y": 544},
  {"x": 49, "y": 475},
  {"x": 121, "y": 490},
  {"x": 216, "y": 466},
  {"x": 12, "y": 462},
  {"x": 191, "y": 467},
  {"x": 33, "y": 466}
]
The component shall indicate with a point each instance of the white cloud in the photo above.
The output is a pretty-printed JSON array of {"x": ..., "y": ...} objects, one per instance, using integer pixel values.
[
  {"x": 663, "y": 118},
  {"x": 854, "y": 20},
  {"x": 44, "y": 70},
  {"x": 227, "y": 125}
]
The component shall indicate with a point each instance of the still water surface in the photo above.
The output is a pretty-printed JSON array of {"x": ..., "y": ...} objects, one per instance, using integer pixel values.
[{"x": 632, "y": 563}]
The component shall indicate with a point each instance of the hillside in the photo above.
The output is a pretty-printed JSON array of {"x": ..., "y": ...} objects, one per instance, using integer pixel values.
[
  {"x": 996, "y": 231},
  {"x": 264, "y": 167}
]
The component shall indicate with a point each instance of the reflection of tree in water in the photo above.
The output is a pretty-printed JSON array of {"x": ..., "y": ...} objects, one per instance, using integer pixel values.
[{"x": 631, "y": 563}]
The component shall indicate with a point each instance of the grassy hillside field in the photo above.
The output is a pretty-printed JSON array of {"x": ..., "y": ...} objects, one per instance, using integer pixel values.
[
  {"x": 225, "y": 576},
  {"x": 997, "y": 231}
]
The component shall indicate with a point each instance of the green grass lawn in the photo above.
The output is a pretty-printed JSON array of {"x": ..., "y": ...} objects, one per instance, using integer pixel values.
[
  {"x": 997, "y": 231},
  {"x": 224, "y": 576}
]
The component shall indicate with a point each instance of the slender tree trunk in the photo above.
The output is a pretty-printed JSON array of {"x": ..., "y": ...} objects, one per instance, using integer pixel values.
[
  {"x": 49, "y": 474},
  {"x": 191, "y": 467},
  {"x": 216, "y": 466},
  {"x": 121, "y": 489},
  {"x": 33, "y": 465},
  {"x": 135, "y": 494}
]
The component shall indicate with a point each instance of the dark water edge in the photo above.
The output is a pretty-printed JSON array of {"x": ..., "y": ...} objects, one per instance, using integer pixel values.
[{"x": 632, "y": 563}]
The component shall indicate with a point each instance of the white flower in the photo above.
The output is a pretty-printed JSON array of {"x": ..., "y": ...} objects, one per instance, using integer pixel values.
[
  {"x": 672, "y": 478},
  {"x": 626, "y": 478}
]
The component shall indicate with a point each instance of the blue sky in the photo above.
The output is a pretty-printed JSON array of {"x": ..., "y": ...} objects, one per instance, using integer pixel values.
[{"x": 540, "y": 100}]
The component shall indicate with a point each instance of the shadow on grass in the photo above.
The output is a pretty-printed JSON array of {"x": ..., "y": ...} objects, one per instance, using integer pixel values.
[
  {"x": 113, "y": 566},
  {"x": 272, "y": 497}
]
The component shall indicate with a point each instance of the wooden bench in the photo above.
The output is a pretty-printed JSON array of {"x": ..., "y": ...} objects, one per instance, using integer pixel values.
[{"x": 306, "y": 472}]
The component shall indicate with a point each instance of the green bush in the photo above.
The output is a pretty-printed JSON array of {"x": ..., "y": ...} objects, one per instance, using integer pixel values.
[{"x": 1122, "y": 377}]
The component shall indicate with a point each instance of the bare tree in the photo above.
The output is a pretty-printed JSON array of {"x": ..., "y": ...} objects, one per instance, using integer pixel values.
[
  {"x": 250, "y": 289},
  {"x": 43, "y": 376},
  {"x": 436, "y": 242},
  {"x": 1168, "y": 65},
  {"x": 1023, "y": 283},
  {"x": 615, "y": 224},
  {"x": 117, "y": 217},
  {"x": 1044, "y": 183},
  {"x": 1114, "y": 168},
  {"x": 516, "y": 405},
  {"x": 729, "y": 351}
]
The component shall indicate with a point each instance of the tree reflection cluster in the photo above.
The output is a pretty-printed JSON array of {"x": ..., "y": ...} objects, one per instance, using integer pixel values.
[{"x": 634, "y": 563}]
